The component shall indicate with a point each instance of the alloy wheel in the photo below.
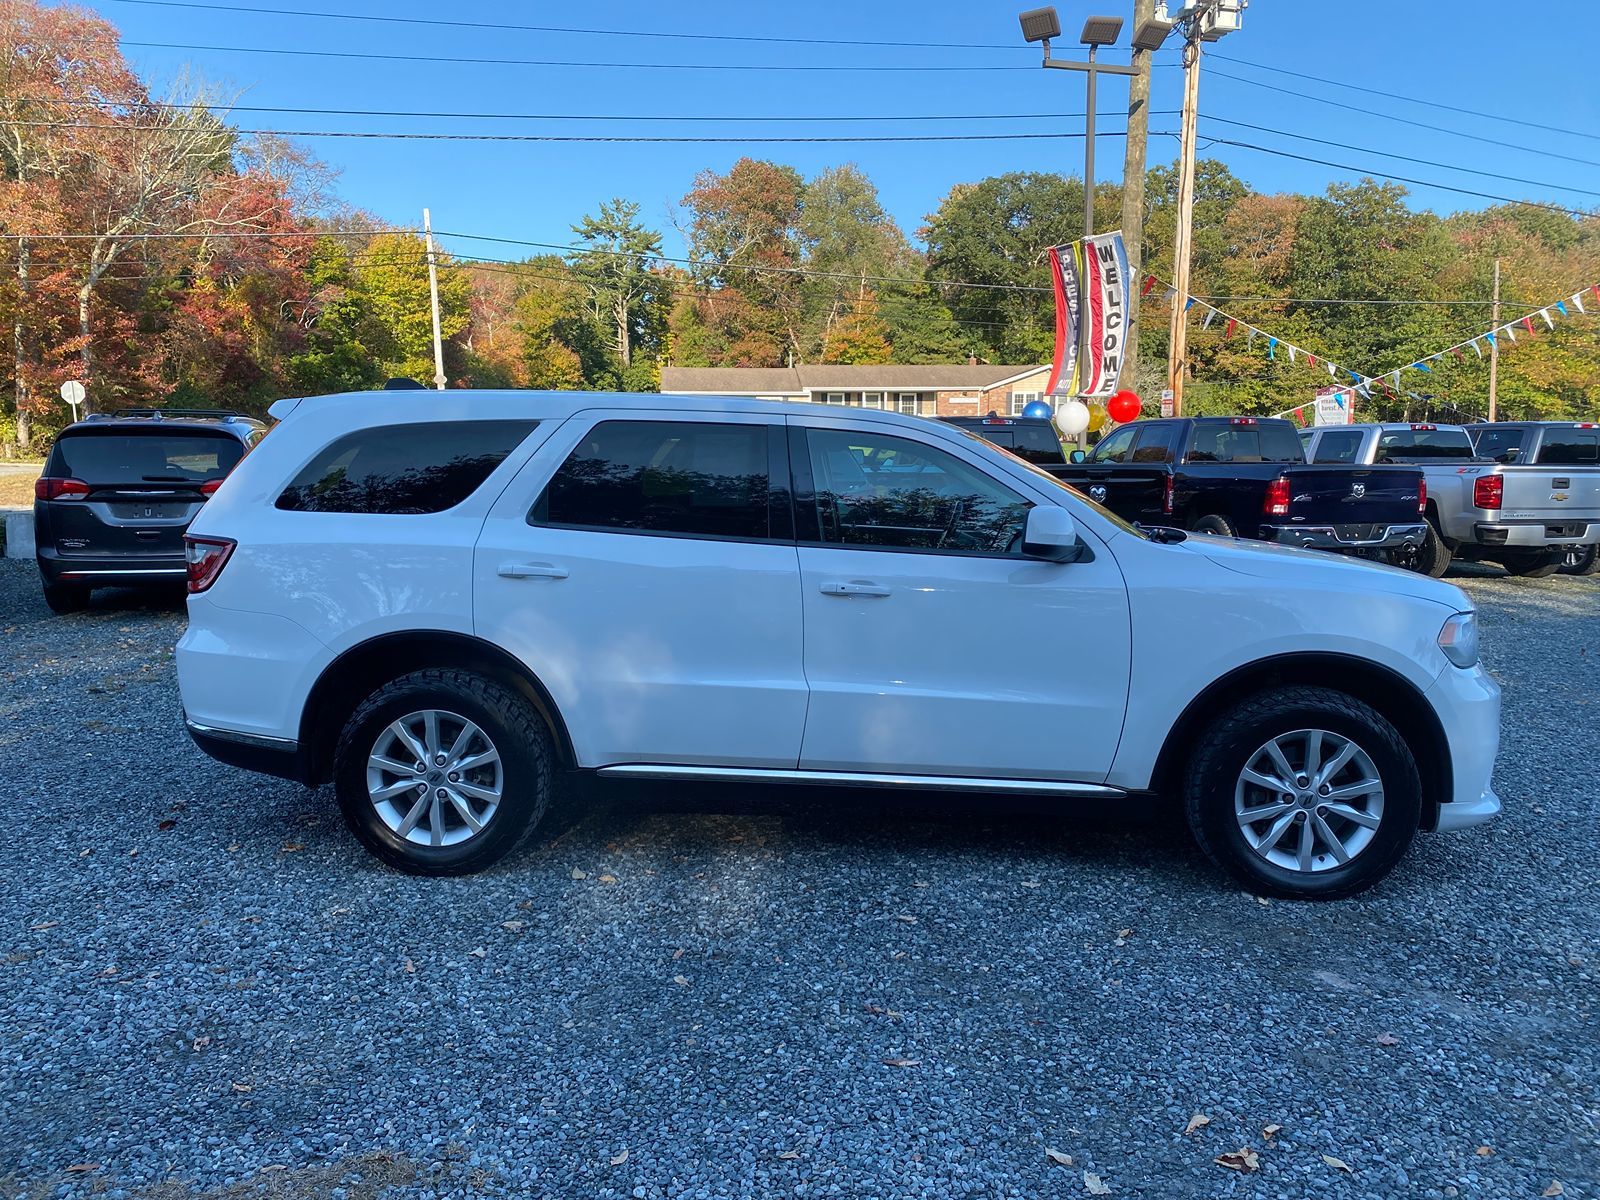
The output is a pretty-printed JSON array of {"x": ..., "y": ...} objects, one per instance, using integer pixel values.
[
  {"x": 1309, "y": 800},
  {"x": 434, "y": 777}
]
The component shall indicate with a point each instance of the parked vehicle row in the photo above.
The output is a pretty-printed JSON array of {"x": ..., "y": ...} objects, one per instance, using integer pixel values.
[{"x": 443, "y": 603}]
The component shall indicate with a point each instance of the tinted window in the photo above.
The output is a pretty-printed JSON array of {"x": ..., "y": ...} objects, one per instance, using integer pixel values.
[
  {"x": 1115, "y": 448},
  {"x": 1155, "y": 444},
  {"x": 155, "y": 457},
  {"x": 1245, "y": 443},
  {"x": 1492, "y": 443},
  {"x": 892, "y": 492},
  {"x": 1415, "y": 445},
  {"x": 1337, "y": 448},
  {"x": 704, "y": 479},
  {"x": 423, "y": 468},
  {"x": 1570, "y": 447},
  {"x": 1038, "y": 444}
]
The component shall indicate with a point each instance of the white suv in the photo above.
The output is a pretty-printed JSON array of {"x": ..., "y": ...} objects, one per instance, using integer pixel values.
[{"x": 442, "y": 602}]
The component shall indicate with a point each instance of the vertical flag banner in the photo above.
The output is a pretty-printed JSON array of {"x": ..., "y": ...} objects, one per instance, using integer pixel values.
[
  {"x": 1092, "y": 287},
  {"x": 1064, "y": 275}
]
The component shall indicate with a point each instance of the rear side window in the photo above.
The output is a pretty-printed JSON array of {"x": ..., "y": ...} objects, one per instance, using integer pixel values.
[
  {"x": 1570, "y": 447},
  {"x": 155, "y": 457},
  {"x": 698, "y": 479},
  {"x": 1246, "y": 443},
  {"x": 1417, "y": 445},
  {"x": 403, "y": 469},
  {"x": 1155, "y": 444}
]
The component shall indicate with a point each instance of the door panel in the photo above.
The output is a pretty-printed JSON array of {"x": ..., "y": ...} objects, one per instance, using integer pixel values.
[
  {"x": 656, "y": 646},
  {"x": 927, "y": 662}
]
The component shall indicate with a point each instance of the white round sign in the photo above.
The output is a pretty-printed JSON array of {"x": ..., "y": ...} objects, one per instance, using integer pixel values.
[{"x": 72, "y": 392}]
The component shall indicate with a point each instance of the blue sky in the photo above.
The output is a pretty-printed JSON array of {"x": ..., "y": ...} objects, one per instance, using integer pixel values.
[{"x": 1535, "y": 66}]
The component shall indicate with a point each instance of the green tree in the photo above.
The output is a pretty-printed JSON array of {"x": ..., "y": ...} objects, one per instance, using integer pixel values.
[{"x": 625, "y": 294}]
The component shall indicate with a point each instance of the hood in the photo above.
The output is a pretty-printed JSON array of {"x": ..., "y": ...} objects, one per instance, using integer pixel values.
[{"x": 1264, "y": 561}]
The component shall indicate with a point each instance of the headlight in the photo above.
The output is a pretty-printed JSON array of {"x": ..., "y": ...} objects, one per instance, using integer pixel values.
[{"x": 1459, "y": 639}]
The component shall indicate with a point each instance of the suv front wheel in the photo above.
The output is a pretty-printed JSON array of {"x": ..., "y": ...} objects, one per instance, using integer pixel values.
[
  {"x": 443, "y": 772},
  {"x": 1304, "y": 793}
]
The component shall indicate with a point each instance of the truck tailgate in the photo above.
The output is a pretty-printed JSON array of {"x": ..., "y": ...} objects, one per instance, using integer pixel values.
[
  {"x": 1557, "y": 495},
  {"x": 1339, "y": 495}
]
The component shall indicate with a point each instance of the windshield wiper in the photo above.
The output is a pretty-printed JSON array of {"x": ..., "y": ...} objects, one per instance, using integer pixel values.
[{"x": 1165, "y": 534}]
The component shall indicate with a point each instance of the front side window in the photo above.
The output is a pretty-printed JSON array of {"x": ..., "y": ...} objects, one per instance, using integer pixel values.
[
  {"x": 1114, "y": 449},
  {"x": 895, "y": 493},
  {"x": 410, "y": 469},
  {"x": 698, "y": 479},
  {"x": 1338, "y": 448}
]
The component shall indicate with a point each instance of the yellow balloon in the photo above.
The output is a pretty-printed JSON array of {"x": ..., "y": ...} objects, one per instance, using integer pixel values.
[{"x": 1099, "y": 418}]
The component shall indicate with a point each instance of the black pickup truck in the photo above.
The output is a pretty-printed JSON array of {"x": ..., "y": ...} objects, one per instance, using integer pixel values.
[{"x": 1247, "y": 477}]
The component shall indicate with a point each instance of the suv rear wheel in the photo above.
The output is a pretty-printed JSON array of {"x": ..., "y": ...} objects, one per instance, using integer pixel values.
[
  {"x": 1303, "y": 793},
  {"x": 66, "y": 598},
  {"x": 444, "y": 772}
]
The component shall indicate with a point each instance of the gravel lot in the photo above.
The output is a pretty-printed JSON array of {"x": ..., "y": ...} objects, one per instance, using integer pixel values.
[{"x": 206, "y": 988}]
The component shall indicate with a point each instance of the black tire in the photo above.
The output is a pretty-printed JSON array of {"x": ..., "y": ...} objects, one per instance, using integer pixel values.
[
  {"x": 1230, "y": 743},
  {"x": 64, "y": 598},
  {"x": 1581, "y": 560},
  {"x": 1220, "y": 526},
  {"x": 514, "y": 727},
  {"x": 1531, "y": 564},
  {"x": 1432, "y": 558}
]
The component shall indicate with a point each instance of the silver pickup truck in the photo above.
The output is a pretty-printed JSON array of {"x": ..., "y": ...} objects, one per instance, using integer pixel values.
[
  {"x": 1524, "y": 516},
  {"x": 1566, "y": 451}
]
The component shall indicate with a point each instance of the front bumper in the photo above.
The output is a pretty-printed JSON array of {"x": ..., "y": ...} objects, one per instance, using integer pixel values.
[
  {"x": 1536, "y": 535},
  {"x": 1347, "y": 537},
  {"x": 1468, "y": 705}
]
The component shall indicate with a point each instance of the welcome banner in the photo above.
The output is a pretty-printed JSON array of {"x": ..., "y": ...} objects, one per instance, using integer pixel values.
[{"x": 1091, "y": 287}]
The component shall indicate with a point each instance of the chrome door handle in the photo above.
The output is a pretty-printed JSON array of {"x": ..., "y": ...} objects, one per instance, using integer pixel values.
[
  {"x": 532, "y": 570},
  {"x": 856, "y": 587}
]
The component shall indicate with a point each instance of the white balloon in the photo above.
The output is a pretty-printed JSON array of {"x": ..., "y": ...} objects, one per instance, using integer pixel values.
[{"x": 1072, "y": 418}]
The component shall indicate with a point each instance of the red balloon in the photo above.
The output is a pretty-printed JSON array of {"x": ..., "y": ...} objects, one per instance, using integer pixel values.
[{"x": 1125, "y": 406}]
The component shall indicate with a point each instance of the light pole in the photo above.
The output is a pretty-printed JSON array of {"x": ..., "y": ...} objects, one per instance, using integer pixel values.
[{"x": 1042, "y": 25}]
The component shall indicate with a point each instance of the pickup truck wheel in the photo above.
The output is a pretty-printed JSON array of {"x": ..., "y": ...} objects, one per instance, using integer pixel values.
[
  {"x": 64, "y": 598},
  {"x": 444, "y": 772},
  {"x": 1220, "y": 526},
  {"x": 1531, "y": 564},
  {"x": 1305, "y": 793},
  {"x": 1432, "y": 558},
  {"x": 1581, "y": 560}
]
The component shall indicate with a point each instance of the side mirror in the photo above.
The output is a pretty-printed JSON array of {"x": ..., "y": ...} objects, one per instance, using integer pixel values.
[
  {"x": 1077, "y": 456},
  {"x": 1051, "y": 534}
]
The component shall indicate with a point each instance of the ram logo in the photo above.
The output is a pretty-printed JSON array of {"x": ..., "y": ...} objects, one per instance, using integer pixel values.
[
  {"x": 1097, "y": 493},
  {"x": 1358, "y": 490}
]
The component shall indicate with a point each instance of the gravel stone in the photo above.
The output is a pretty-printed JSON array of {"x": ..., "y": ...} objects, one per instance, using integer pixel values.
[{"x": 194, "y": 1009}]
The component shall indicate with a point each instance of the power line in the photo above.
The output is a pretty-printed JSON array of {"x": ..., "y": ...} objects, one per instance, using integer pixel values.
[
  {"x": 633, "y": 33},
  {"x": 534, "y": 62},
  {"x": 1391, "y": 95},
  {"x": 1372, "y": 112},
  {"x": 1426, "y": 162}
]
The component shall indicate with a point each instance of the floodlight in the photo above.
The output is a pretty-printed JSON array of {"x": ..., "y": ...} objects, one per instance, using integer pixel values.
[
  {"x": 1040, "y": 24},
  {"x": 1101, "y": 31},
  {"x": 1150, "y": 34}
]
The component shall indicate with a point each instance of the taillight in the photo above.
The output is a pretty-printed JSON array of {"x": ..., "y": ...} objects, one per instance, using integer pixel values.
[
  {"x": 1166, "y": 497},
  {"x": 1422, "y": 495},
  {"x": 1488, "y": 491},
  {"x": 47, "y": 488},
  {"x": 1276, "y": 502},
  {"x": 205, "y": 558},
  {"x": 1424, "y": 428},
  {"x": 210, "y": 486}
]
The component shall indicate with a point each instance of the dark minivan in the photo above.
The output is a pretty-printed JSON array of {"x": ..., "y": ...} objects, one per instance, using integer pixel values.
[{"x": 120, "y": 488}]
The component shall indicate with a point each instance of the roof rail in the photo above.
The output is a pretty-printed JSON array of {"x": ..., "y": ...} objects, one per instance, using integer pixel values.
[{"x": 208, "y": 414}]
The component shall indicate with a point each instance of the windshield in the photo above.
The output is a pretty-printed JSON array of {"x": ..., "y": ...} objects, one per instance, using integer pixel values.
[
  {"x": 137, "y": 457},
  {"x": 1416, "y": 445},
  {"x": 1039, "y": 472}
]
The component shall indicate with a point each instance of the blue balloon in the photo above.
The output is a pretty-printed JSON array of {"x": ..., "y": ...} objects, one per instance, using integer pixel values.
[{"x": 1038, "y": 410}]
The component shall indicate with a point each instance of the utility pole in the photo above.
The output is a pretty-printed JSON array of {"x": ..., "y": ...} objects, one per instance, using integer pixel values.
[
  {"x": 1181, "y": 253},
  {"x": 1494, "y": 348},
  {"x": 1133, "y": 173},
  {"x": 433, "y": 296}
]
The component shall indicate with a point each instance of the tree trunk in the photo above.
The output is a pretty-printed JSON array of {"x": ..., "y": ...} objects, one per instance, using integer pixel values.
[
  {"x": 19, "y": 344},
  {"x": 88, "y": 347},
  {"x": 624, "y": 342}
]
